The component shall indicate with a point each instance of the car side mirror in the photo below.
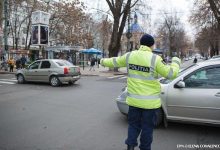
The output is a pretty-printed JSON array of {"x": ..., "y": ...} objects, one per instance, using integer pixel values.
[{"x": 180, "y": 84}]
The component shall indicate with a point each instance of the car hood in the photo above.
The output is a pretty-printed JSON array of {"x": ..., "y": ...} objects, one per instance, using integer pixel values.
[{"x": 21, "y": 71}]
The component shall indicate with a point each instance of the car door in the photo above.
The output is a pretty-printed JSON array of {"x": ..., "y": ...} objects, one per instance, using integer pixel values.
[
  {"x": 45, "y": 70},
  {"x": 32, "y": 73},
  {"x": 199, "y": 101}
]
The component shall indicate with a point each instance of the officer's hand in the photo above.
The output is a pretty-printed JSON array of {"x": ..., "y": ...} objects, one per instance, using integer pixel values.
[
  {"x": 101, "y": 62},
  {"x": 176, "y": 60}
]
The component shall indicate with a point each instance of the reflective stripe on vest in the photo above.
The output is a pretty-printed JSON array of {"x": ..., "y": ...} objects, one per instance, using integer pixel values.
[
  {"x": 115, "y": 62},
  {"x": 150, "y": 97},
  {"x": 170, "y": 74},
  {"x": 150, "y": 77},
  {"x": 153, "y": 61},
  {"x": 141, "y": 77},
  {"x": 127, "y": 57}
]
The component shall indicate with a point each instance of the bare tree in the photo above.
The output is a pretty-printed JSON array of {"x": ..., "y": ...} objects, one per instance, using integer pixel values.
[
  {"x": 16, "y": 20},
  {"x": 120, "y": 10},
  {"x": 1, "y": 10},
  {"x": 215, "y": 7},
  {"x": 66, "y": 23},
  {"x": 105, "y": 33},
  {"x": 206, "y": 16},
  {"x": 31, "y": 6},
  {"x": 203, "y": 41},
  {"x": 173, "y": 32}
]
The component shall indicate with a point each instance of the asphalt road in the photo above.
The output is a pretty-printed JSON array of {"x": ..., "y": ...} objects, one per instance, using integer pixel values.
[{"x": 80, "y": 117}]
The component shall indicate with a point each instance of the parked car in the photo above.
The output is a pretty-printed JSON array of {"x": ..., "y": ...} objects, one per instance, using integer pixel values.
[
  {"x": 186, "y": 59},
  {"x": 214, "y": 58},
  {"x": 53, "y": 71},
  {"x": 194, "y": 96}
]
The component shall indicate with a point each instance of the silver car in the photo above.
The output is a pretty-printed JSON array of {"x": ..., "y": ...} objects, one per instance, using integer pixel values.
[
  {"x": 194, "y": 96},
  {"x": 53, "y": 71},
  {"x": 214, "y": 58}
]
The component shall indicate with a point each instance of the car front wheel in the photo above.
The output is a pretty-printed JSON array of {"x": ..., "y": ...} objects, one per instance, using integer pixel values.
[
  {"x": 54, "y": 81},
  {"x": 20, "y": 79},
  {"x": 71, "y": 82},
  {"x": 159, "y": 117}
]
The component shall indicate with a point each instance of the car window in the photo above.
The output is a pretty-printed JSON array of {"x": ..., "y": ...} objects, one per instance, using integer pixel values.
[
  {"x": 205, "y": 78},
  {"x": 166, "y": 81},
  {"x": 45, "y": 64},
  {"x": 34, "y": 65},
  {"x": 63, "y": 63}
]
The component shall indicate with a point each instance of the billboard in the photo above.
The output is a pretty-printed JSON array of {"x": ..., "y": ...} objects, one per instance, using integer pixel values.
[
  {"x": 40, "y": 35},
  {"x": 40, "y": 17}
]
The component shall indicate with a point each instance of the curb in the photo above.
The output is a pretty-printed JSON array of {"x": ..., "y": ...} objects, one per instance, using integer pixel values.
[
  {"x": 7, "y": 72},
  {"x": 90, "y": 75}
]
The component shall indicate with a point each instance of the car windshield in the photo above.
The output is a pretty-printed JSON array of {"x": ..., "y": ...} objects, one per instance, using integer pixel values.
[
  {"x": 182, "y": 71},
  {"x": 63, "y": 63}
]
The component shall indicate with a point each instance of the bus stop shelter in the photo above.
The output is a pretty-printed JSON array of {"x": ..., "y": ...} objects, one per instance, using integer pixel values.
[{"x": 61, "y": 52}]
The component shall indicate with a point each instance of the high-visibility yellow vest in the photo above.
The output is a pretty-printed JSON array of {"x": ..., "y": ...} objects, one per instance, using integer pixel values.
[{"x": 143, "y": 68}]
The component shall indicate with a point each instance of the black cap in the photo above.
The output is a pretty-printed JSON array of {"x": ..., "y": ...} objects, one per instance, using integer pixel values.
[{"x": 147, "y": 40}]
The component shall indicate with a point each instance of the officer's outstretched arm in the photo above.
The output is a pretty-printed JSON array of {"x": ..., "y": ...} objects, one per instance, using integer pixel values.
[
  {"x": 168, "y": 71},
  {"x": 114, "y": 61}
]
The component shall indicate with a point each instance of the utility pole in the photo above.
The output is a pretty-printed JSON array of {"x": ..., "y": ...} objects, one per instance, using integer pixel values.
[{"x": 6, "y": 24}]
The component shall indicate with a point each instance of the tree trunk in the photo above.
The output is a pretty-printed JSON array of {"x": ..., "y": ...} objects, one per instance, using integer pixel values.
[
  {"x": 212, "y": 50},
  {"x": 216, "y": 48},
  {"x": 1, "y": 10},
  {"x": 115, "y": 39},
  {"x": 215, "y": 10},
  {"x": 27, "y": 34}
]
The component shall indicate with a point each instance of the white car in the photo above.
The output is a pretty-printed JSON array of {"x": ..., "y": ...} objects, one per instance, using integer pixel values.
[
  {"x": 214, "y": 58},
  {"x": 194, "y": 96}
]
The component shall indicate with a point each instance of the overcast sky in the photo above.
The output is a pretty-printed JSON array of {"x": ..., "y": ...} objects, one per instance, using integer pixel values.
[{"x": 183, "y": 8}]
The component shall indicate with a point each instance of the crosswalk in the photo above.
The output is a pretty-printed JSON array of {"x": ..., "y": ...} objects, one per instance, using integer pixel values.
[{"x": 8, "y": 81}]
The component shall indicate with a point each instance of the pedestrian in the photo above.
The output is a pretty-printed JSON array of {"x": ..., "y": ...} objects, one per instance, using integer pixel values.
[
  {"x": 92, "y": 64},
  {"x": 98, "y": 62},
  {"x": 23, "y": 61},
  {"x": 195, "y": 60},
  {"x": 69, "y": 59},
  {"x": 143, "y": 97},
  {"x": 18, "y": 63},
  {"x": 11, "y": 64},
  {"x": 4, "y": 64}
]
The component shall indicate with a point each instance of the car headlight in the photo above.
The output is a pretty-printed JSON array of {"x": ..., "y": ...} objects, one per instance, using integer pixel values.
[
  {"x": 124, "y": 88},
  {"x": 123, "y": 94}
]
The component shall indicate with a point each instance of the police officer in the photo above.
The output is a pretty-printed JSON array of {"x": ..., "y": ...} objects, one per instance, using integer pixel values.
[{"x": 143, "y": 97}]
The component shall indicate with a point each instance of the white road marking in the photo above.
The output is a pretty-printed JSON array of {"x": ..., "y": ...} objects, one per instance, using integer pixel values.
[
  {"x": 4, "y": 82},
  {"x": 123, "y": 77},
  {"x": 115, "y": 76},
  {"x": 13, "y": 80}
]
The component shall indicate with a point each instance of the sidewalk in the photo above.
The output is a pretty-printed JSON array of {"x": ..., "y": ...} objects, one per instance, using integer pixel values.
[{"x": 101, "y": 71}]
